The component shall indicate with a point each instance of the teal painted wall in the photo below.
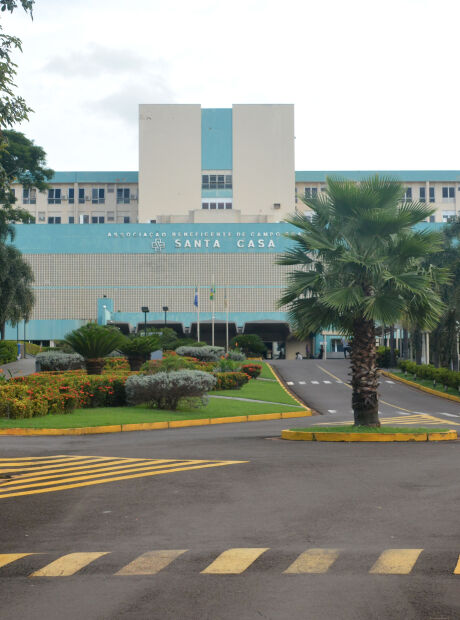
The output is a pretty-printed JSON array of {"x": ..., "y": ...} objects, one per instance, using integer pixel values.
[{"x": 216, "y": 139}]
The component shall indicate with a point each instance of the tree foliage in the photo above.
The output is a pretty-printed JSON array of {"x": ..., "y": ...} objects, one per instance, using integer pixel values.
[
  {"x": 359, "y": 263},
  {"x": 16, "y": 295}
]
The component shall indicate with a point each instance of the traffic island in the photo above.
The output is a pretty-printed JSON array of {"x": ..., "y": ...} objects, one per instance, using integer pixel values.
[{"x": 381, "y": 434}]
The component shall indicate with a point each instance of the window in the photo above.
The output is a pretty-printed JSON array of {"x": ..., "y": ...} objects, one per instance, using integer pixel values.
[
  {"x": 84, "y": 219},
  {"x": 431, "y": 194},
  {"x": 81, "y": 195},
  {"x": 54, "y": 220},
  {"x": 216, "y": 181},
  {"x": 97, "y": 219},
  {"x": 71, "y": 195},
  {"x": 448, "y": 216},
  {"x": 228, "y": 205},
  {"x": 71, "y": 219},
  {"x": 423, "y": 194},
  {"x": 311, "y": 192},
  {"x": 29, "y": 196},
  {"x": 432, "y": 218},
  {"x": 205, "y": 205},
  {"x": 408, "y": 194},
  {"x": 41, "y": 216},
  {"x": 126, "y": 219},
  {"x": 448, "y": 192},
  {"x": 205, "y": 181},
  {"x": 228, "y": 181},
  {"x": 54, "y": 196},
  {"x": 123, "y": 196},
  {"x": 212, "y": 205},
  {"x": 220, "y": 205},
  {"x": 98, "y": 196},
  {"x": 212, "y": 181},
  {"x": 110, "y": 216}
]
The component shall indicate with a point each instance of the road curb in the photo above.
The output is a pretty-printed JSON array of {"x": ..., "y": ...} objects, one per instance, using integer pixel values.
[
  {"x": 361, "y": 437},
  {"x": 423, "y": 388},
  {"x": 151, "y": 426}
]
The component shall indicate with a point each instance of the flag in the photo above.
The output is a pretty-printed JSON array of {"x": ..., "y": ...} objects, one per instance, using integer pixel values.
[
  {"x": 195, "y": 300},
  {"x": 211, "y": 293},
  {"x": 225, "y": 300}
]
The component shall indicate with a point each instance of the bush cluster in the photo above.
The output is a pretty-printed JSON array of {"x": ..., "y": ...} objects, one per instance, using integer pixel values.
[
  {"x": 230, "y": 380},
  {"x": 55, "y": 361},
  {"x": 203, "y": 354},
  {"x": 253, "y": 370},
  {"x": 383, "y": 357},
  {"x": 235, "y": 355},
  {"x": 164, "y": 390},
  {"x": 115, "y": 364},
  {"x": 8, "y": 351},
  {"x": 439, "y": 376},
  {"x": 43, "y": 394}
]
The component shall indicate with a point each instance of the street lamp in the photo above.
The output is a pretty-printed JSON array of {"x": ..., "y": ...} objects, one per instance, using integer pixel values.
[
  {"x": 145, "y": 309},
  {"x": 165, "y": 310}
]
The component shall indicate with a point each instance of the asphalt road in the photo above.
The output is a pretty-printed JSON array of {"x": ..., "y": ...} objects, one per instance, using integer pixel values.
[{"x": 353, "y": 501}]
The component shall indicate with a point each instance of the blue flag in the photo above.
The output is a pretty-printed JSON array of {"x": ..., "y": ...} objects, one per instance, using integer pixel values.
[{"x": 195, "y": 301}]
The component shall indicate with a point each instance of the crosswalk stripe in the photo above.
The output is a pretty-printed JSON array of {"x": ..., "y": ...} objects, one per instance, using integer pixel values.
[
  {"x": 315, "y": 382},
  {"x": 62, "y": 487},
  {"x": 290, "y": 382},
  {"x": 301, "y": 382},
  {"x": 68, "y": 564},
  {"x": 7, "y": 558},
  {"x": 326, "y": 381},
  {"x": 396, "y": 562},
  {"x": 151, "y": 562},
  {"x": 234, "y": 561},
  {"x": 94, "y": 471},
  {"x": 314, "y": 561}
]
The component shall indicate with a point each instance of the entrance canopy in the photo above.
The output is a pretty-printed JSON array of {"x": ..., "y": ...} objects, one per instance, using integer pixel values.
[
  {"x": 219, "y": 331},
  {"x": 269, "y": 330},
  {"x": 157, "y": 325}
]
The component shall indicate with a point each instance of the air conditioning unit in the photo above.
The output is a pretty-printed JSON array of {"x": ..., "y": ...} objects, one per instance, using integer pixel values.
[
  {"x": 133, "y": 197},
  {"x": 277, "y": 205}
]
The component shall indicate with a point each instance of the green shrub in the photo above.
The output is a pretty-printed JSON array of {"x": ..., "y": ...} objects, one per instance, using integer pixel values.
[
  {"x": 53, "y": 361},
  {"x": 230, "y": 380},
  {"x": 249, "y": 344},
  {"x": 115, "y": 364},
  {"x": 203, "y": 354},
  {"x": 226, "y": 365},
  {"x": 439, "y": 376},
  {"x": 169, "y": 363},
  {"x": 383, "y": 357},
  {"x": 8, "y": 351},
  {"x": 165, "y": 390},
  {"x": 236, "y": 356}
]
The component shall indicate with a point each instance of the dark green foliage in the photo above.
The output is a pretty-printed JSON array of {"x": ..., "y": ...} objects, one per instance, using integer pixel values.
[
  {"x": 139, "y": 345},
  {"x": 440, "y": 376},
  {"x": 249, "y": 344},
  {"x": 383, "y": 357},
  {"x": 253, "y": 370},
  {"x": 94, "y": 341},
  {"x": 16, "y": 295},
  {"x": 8, "y": 351}
]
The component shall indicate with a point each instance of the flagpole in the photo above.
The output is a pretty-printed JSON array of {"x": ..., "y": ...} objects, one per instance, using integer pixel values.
[
  {"x": 226, "y": 320},
  {"x": 212, "y": 316},
  {"x": 198, "y": 315}
]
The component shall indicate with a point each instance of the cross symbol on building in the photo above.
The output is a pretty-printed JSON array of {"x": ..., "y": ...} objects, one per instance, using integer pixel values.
[{"x": 158, "y": 245}]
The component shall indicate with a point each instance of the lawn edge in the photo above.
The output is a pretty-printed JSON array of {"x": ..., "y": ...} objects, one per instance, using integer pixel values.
[
  {"x": 449, "y": 435},
  {"x": 150, "y": 426},
  {"x": 423, "y": 388}
]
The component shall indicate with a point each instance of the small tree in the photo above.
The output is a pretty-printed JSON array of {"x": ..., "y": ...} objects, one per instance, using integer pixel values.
[
  {"x": 16, "y": 295},
  {"x": 138, "y": 348},
  {"x": 93, "y": 342},
  {"x": 250, "y": 344}
]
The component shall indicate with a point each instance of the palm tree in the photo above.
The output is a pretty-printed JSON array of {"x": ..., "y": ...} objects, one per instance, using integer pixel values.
[
  {"x": 359, "y": 263},
  {"x": 94, "y": 342}
]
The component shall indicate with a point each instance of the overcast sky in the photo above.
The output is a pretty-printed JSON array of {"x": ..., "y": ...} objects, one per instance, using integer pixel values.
[{"x": 374, "y": 83}]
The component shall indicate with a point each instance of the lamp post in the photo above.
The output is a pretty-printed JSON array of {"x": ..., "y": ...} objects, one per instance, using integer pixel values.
[
  {"x": 145, "y": 309},
  {"x": 165, "y": 310}
]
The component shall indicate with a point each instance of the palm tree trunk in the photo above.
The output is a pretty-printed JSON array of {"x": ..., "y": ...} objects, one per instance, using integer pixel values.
[
  {"x": 405, "y": 354},
  {"x": 364, "y": 379},
  {"x": 2, "y": 331},
  {"x": 392, "y": 347}
]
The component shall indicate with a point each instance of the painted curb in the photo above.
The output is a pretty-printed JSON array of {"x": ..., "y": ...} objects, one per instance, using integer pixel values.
[
  {"x": 275, "y": 374},
  {"x": 150, "y": 426},
  {"x": 360, "y": 437},
  {"x": 423, "y": 388}
]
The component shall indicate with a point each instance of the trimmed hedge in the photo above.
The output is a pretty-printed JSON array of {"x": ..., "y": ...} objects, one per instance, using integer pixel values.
[
  {"x": 203, "y": 354},
  {"x": 441, "y": 376},
  {"x": 230, "y": 380},
  {"x": 52, "y": 360},
  {"x": 8, "y": 351}
]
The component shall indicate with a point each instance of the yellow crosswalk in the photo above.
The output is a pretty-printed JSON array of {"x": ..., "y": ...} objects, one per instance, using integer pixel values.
[
  {"x": 32, "y": 475},
  {"x": 233, "y": 561},
  {"x": 402, "y": 420}
]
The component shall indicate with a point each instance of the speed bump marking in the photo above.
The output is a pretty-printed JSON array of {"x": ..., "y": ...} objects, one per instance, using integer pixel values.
[{"x": 47, "y": 474}]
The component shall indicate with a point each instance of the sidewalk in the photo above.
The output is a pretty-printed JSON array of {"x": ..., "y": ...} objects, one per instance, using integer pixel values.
[{"x": 21, "y": 368}]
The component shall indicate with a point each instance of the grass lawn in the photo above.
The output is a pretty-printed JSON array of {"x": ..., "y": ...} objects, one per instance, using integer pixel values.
[
  {"x": 266, "y": 372},
  {"x": 366, "y": 429},
  {"x": 105, "y": 416},
  {"x": 260, "y": 390},
  {"x": 425, "y": 382}
]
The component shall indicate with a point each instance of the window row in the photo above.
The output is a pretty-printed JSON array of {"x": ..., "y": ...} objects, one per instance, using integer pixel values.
[
  {"x": 216, "y": 181},
  {"x": 447, "y": 192},
  {"x": 216, "y": 205},
  {"x": 56, "y": 196},
  {"x": 82, "y": 219}
]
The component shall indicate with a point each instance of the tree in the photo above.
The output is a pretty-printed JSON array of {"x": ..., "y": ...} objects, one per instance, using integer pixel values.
[
  {"x": 94, "y": 342},
  {"x": 137, "y": 349},
  {"x": 359, "y": 262},
  {"x": 250, "y": 344},
  {"x": 13, "y": 109},
  {"x": 16, "y": 295}
]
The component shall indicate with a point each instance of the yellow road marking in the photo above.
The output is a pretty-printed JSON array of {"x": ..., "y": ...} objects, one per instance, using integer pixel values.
[
  {"x": 116, "y": 465},
  {"x": 151, "y": 562},
  {"x": 67, "y": 564},
  {"x": 457, "y": 568},
  {"x": 234, "y": 561},
  {"x": 349, "y": 386},
  {"x": 423, "y": 418},
  {"x": 7, "y": 558},
  {"x": 396, "y": 562},
  {"x": 92, "y": 482},
  {"x": 314, "y": 561}
]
